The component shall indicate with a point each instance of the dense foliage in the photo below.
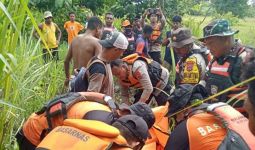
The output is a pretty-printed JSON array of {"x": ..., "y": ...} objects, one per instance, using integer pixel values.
[{"x": 236, "y": 7}]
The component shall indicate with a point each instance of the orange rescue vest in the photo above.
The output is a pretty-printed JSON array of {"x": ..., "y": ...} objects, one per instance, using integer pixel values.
[
  {"x": 235, "y": 121},
  {"x": 37, "y": 125},
  {"x": 208, "y": 130},
  {"x": 82, "y": 134},
  {"x": 154, "y": 70}
]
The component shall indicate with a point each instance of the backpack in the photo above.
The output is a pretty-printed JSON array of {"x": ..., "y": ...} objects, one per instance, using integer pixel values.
[
  {"x": 58, "y": 106},
  {"x": 80, "y": 82}
]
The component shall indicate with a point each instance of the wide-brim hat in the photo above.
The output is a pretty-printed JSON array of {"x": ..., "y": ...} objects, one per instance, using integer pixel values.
[
  {"x": 219, "y": 27},
  {"x": 181, "y": 37}
]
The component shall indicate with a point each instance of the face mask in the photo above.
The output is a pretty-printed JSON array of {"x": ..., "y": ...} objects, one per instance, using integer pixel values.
[{"x": 128, "y": 32}]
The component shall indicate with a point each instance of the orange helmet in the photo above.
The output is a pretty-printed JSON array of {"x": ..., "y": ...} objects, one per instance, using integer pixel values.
[{"x": 126, "y": 23}]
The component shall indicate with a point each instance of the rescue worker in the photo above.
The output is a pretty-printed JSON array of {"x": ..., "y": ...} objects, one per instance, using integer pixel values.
[
  {"x": 216, "y": 126},
  {"x": 109, "y": 18},
  {"x": 157, "y": 21},
  {"x": 146, "y": 75},
  {"x": 84, "y": 47},
  {"x": 76, "y": 106},
  {"x": 191, "y": 67},
  {"x": 128, "y": 32},
  {"x": 49, "y": 30},
  {"x": 142, "y": 45},
  {"x": 225, "y": 68},
  {"x": 129, "y": 131},
  {"x": 249, "y": 104},
  {"x": 99, "y": 74}
]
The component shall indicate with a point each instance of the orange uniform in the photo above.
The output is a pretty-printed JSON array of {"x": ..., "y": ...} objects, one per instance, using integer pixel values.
[
  {"x": 217, "y": 127},
  {"x": 72, "y": 28}
]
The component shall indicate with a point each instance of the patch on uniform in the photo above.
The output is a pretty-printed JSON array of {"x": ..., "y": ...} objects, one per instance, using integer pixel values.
[
  {"x": 214, "y": 89},
  {"x": 190, "y": 65},
  {"x": 138, "y": 74},
  {"x": 190, "y": 73}
]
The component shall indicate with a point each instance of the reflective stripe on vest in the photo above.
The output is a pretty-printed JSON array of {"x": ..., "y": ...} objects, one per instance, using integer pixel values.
[
  {"x": 220, "y": 69},
  {"x": 235, "y": 121}
]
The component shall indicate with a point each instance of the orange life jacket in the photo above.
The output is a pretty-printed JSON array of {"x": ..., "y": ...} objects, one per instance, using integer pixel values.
[
  {"x": 156, "y": 35},
  {"x": 37, "y": 125},
  {"x": 159, "y": 131},
  {"x": 82, "y": 134},
  {"x": 76, "y": 131},
  {"x": 154, "y": 70},
  {"x": 207, "y": 131},
  {"x": 235, "y": 121}
]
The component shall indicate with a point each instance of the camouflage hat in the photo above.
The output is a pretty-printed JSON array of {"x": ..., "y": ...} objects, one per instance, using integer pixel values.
[
  {"x": 219, "y": 27},
  {"x": 181, "y": 37}
]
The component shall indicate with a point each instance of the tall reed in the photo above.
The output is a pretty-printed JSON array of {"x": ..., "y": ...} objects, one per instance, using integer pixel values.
[{"x": 25, "y": 81}]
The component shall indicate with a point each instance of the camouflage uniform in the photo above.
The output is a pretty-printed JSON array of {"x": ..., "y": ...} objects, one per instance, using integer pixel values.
[{"x": 224, "y": 71}]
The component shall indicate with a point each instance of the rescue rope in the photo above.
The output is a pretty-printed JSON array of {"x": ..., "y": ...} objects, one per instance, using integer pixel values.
[
  {"x": 215, "y": 95},
  {"x": 236, "y": 96}
]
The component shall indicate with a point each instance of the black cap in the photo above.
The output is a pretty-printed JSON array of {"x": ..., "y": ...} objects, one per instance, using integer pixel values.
[
  {"x": 177, "y": 19},
  {"x": 184, "y": 95},
  {"x": 136, "y": 125},
  {"x": 143, "y": 110}
]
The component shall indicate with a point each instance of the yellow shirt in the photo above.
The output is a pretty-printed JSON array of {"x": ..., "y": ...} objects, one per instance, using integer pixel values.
[
  {"x": 49, "y": 35},
  {"x": 72, "y": 28}
]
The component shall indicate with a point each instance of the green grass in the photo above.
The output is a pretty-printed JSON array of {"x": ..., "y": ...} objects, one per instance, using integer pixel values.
[
  {"x": 26, "y": 82},
  {"x": 245, "y": 26}
]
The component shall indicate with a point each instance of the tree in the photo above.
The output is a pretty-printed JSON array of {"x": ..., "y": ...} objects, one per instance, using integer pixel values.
[
  {"x": 131, "y": 8},
  {"x": 236, "y": 7}
]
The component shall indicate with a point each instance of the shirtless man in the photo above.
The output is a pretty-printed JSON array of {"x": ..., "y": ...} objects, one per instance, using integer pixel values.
[{"x": 84, "y": 47}]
